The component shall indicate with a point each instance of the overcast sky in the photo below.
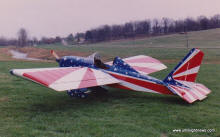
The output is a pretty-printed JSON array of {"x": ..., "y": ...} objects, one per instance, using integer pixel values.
[{"x": 62, "y": 17}]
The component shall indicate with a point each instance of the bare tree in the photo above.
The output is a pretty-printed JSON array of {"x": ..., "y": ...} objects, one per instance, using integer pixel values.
[
  {"x": 22, "y": 37},
  {"x": 156, "y": 27},
  {"x": 165, "y": 25}
]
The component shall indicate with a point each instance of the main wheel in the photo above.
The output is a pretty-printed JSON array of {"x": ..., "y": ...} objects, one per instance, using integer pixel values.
[{"x": 80, "y": 93}]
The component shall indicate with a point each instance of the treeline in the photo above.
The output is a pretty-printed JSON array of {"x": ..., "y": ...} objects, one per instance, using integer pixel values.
[
  {"x": 24, "y": 39},
  {"x": 151, "y": 28},
  {"x": 114, "y": 32}
]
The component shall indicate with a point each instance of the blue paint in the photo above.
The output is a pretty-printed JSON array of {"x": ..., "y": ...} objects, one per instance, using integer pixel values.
[{"x": 119, "y": 66}]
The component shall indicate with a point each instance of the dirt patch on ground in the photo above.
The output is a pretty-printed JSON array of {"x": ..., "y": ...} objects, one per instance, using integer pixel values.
[
  {"x": 45, "y": 54},
  {"x": 4, "y": 54},
  {"x": 38, "y": 53},
  {"x": 3, "y": 99}
]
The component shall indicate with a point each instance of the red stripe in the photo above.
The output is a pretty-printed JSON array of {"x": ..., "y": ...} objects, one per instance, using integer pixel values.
[
  {"x": 199, "y": 90},
  {"x": 184, "y": 96},
  {"x": 152, "y": 86},
  {"x": 190, "y": 92},
  {"x": 47, "y": 77},
  {"x": 187, "y": 98},
  {"x": 193, "y": 94},
  {"x": 193, "y": 62},
  {"x": 190, "y": 77},
  {"x": 89, "y": 79},
  {"x": 204, "y": 87}
]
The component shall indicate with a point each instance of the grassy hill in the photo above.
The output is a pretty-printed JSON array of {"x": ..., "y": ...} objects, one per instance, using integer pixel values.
[
  {"x": 28, "y": 109},
  {"x": 161, "y": 47}
]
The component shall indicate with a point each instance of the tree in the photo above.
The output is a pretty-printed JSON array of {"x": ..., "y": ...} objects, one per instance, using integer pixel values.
[
  {"x": 156, "y": 26},
  {"x": 128, "y": 30},
  {"x": 215, "y": 21},
  {"x": 22, "y": 37},
  {"x": 35, "y": 41},
  {"x": 165, "y": 25},
  {"x": 204, "y": 22},
  {"x": 179, "y": 26},
  {"x": 116, "y": 32},
  {"x": 191, "y": 24},
  {"x": 58, "y": 39},
  {"x": 142, "y": 27},
  {"x": 3, "y": 41},
  {"x": 70, "y": 38}
]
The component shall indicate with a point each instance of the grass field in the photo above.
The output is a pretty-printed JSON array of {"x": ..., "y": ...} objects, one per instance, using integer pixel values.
[{"x": 28, "y": 109}]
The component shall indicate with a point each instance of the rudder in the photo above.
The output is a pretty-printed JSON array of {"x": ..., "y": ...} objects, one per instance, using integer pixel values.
[{"x": 188, "y": 68}]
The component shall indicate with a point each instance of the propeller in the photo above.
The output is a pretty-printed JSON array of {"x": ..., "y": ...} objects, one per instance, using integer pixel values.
[{"x": 55, "y": 55}]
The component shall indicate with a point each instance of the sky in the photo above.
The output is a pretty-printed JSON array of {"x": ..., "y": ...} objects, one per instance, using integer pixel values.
[{"x": 52, "y": 18}]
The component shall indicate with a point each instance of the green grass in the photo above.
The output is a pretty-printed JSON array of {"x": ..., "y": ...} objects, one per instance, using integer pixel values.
[{"x": 28, "y": 109}]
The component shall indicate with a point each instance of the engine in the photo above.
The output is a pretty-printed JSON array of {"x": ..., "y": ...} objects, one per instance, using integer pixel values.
[{"x": 75, "y": 61}]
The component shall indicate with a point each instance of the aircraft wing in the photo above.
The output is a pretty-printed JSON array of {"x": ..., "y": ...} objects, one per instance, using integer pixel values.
[
  {"x": 66, "y": 78},
  {"x": 143, "y": 64}
]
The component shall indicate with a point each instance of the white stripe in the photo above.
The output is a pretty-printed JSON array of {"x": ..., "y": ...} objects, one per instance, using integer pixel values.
[
  {"x": 136, "y": 87},
  {"x": 200, "y": 88},
  {"x": 201, "y": 97},
  {"x": 187, "y": 83},
  {"x": 190, "y": 57},
  {"x": 156, "y": 66},
  {"x": 188, "y": 72},
  {"x": 190, "y": 96},
  {"x": 129, "y": 58},
  {"x": 104, "y": 78},
  {"x": 136, "y": 57},
  {"x": 195, "y": 85},
  {"x": 70, "y": 81},
  {"x": 187, "y": 93}
]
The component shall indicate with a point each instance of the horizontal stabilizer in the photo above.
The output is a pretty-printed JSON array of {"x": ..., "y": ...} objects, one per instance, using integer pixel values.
[
  {"x": 143, "y": 64},
  {"x": 190, "y": 91}
]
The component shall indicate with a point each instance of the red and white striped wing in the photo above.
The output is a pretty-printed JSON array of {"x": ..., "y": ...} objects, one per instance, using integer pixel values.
[
  {"x": 196, "y": 91},
  {"x": 144, "y": 64},
  {"x": 61, "y": 79}
]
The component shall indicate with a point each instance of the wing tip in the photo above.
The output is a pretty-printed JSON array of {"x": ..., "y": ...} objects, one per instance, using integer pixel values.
[{"x": 12, "y": 72}]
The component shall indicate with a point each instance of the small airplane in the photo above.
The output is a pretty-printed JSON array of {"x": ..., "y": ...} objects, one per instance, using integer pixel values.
[{"x": 78, "y": 75}]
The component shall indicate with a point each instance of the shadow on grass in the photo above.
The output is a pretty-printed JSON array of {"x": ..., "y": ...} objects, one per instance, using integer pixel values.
[{"x": 61, "y": 102}]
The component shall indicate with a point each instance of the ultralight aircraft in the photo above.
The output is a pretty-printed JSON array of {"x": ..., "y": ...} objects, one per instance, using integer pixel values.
[{"x": 78, "y": 75}]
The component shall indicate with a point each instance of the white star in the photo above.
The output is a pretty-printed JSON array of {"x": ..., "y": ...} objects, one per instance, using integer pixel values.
[{"x": 169, "y": 78}]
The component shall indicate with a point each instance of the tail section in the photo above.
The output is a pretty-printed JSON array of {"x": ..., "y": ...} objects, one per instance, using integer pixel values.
[
  {"x": 181, "y": 80},
  {"x": 190, "y": 91},
  {"x": 188, "y": 68}
]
